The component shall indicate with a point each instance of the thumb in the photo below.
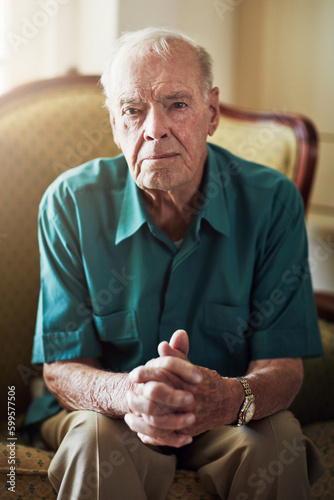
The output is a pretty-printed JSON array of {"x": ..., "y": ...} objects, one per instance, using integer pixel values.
[
  {"x": 180, "y": 341},
  {"x": 178, "y": 345}
]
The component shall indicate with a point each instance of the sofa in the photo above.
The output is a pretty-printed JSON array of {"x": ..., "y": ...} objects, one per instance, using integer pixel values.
[{"x": 49, "y": 126}]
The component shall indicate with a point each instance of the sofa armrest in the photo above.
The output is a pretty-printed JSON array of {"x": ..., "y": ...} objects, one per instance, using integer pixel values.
[
  {"x": 315, "y": 403},
  {"x": 325, "y": 305}
]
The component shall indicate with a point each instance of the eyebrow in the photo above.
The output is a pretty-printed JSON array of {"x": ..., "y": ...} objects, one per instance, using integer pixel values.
[
  {"x": 178, "y": 95},
  {"x": 129, "y": 100},
  {"x": 169, "y": 97}
]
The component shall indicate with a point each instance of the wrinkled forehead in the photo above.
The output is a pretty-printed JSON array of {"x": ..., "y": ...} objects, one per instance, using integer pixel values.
[{"x": 133, "y": 73}]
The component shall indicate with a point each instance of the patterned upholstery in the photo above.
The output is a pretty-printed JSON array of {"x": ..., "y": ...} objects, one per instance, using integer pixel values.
[
  {"x": 45, "y": 129},
  {"x": 312, "y": 404},
  {"x": 42, "y": 133},
  {"x": 31, "y": 479},
  {"x": 32, "y": 482},
  {"x": 32, "y": 465},
  {"x": 274, "y": 146},
  {"x": 322, "y": 434}
]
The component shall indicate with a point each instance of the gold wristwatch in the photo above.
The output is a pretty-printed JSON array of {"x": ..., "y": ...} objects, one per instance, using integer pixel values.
[{"x": 247, "y": 409}]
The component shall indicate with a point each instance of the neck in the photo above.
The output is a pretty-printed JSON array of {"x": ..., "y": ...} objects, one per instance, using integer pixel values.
[{"x": 171, "y": 214}]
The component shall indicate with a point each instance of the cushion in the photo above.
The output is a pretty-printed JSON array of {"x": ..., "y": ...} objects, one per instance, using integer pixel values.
[
  {"x": 31, "y": 479},
  {"x": 187, "y": 486},
  {"x": 315, "y": 403},
  {"x": 322, "y": 434},
  {"x": 55, "y": 130},
  {"x": 31, "y": 466},
  {"x": 272, "y": 145}
]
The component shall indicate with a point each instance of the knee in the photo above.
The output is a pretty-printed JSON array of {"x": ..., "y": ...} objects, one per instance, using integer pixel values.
[
  {"x": 278, "y": 437},
  {"x": 275, "y": 453},
  {"x": 77, "y": 436},
  {"x": 85, "y": 432},
  {"x": 76, "y": 452}
]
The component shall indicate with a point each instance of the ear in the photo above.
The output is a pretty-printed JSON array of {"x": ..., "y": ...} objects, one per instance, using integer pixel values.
[
  {"x": 113, "y": 127},
  {"x": 214, "y": 110}
]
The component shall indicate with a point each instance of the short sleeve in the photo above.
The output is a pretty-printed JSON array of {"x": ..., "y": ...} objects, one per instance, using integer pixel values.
[
  {"x": 64, "y": 327},
  {"x": 283, "y": 318}
]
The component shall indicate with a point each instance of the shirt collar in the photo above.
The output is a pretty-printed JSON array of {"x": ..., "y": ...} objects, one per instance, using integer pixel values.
[
  {"x": 215, "y": 210},
  {"x": 133, "y": 212}
]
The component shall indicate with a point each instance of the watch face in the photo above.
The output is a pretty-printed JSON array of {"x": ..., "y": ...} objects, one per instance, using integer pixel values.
[{"x": 249, "y": 412}]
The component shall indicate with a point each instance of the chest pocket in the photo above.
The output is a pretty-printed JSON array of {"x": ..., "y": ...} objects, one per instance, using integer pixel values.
[
  {"x": 122, "y": 347},
  {"x": 233, "y": 319},
  {"x": 227, "y": 324}
]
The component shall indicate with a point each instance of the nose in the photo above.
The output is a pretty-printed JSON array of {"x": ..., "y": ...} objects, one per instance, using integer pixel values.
[{"x": 156, "y": 124}]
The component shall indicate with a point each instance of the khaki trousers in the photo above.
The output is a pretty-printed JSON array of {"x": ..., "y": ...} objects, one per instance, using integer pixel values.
[{"x": 99, "y": 458}]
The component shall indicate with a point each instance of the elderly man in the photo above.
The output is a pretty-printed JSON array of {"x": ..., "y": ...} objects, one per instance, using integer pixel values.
[{"x": 176, "y": 246}]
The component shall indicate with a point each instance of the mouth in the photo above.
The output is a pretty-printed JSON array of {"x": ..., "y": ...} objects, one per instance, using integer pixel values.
[{"x": 163, "y": 156}]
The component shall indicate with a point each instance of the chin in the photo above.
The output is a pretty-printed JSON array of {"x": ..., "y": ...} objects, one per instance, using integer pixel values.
[{"x": 157, "y": 180}]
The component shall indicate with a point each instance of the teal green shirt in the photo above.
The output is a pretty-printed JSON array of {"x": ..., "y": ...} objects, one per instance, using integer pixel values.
[{"x": 113, "y": 285}]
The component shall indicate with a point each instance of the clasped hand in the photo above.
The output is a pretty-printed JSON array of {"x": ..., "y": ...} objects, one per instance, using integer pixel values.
[{"x": 173, "y": 400}]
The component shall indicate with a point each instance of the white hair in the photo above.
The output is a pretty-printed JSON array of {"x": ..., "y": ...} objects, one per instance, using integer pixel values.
[{"x": 154, "y": 41}]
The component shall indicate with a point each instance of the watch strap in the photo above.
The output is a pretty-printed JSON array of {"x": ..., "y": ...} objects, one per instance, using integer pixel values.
[
  {"x": 247, "y": 402},
  {"x": 245, "y": 385}
]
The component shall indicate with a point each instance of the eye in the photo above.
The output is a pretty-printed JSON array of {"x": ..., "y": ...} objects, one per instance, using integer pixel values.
[
  {"x": 179, "y": 105},
  {"x": 131, "y": 111}
]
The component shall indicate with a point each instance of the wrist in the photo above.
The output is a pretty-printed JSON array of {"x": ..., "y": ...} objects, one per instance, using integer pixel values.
[
  {"x": 113, "y": 396},
  {"x": 233, "y": 397},
  {"x": 125, "y": 387},
  {"x": 239, "y": 396},
  {"x": 247, "y": 409}
]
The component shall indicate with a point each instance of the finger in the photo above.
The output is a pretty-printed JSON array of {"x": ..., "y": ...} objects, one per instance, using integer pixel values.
[
  {"x": 164, "y": 349},
  {"x": 152, "y": 435},
  {"x": 174, "y": 439},
  {"x": 180, "y": 342},
  {"x": 157, "y": 398},
  {"x": 171, "y": 421},
  {"x": 158, "y": 376},
  {"x": 163, "y": 394},
  {"x": 140, "y": 404},
  {"x": 158, "y": 368},
  {"x": 137, "y": 424}
]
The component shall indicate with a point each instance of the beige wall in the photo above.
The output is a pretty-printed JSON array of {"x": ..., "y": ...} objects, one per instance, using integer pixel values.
[
  {"x": 270, "y": 54},
  {"x": 44, "y": 40},
  {"x": 199, "y": 19},
  {"x": 285, "y": 61}
]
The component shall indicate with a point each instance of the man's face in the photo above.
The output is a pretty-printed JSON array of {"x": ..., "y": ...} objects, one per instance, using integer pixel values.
[{"x": 161, "y": 119}]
